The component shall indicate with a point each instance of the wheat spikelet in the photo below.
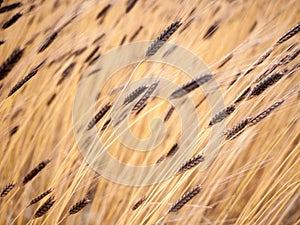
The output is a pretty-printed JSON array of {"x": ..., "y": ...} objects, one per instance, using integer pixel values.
[
  {"x": 130, "y": 5},
  {"x": 66, "y": 72},
  {"x": 35, "y": 171},
  {"x": 243, "y": 95},
  {"x": 12, "y": 20},
  {"x": 173, "y": 150},
  {"x": 283, "y": 61},
  {"x": 211, "y": 30},
  {"x": 10, "y": 7},
  {"x": 25, "y": 79},
  {"x": 165, "y": 35},
  {"x": 103, "y": 12},
  {"x": 266, "y": 112},
  {"x": 138, "y": 203},
  {"x": 7, "y": 189},
  {"x": 144, "y": 98},
  {"x": 40, "y": 197},
  {"x": 9, "y": 64},
  {"x": 99, "y": 116},
  {"x": 91, "y": 55},
  {"x": 133, "y": 95},
  {"x": 107, "y": 122},
  {"x": 263, "y": 85},
  {"x": 233, "y": 131},
  {"x": 162, "y": 158},
  {"x": 185, "y": 198},
  {"x": 43, "y": 209},
  {"x": 79, "y": 206},
  {"x": 190, "y": 86},
  {"x": 191, "y": 163},
  {"x": 289, "y": 34},
  {"x": 48, "y": 42},
  {"x": 169, "y": 113},
  {"x": 222, "y": 115}
]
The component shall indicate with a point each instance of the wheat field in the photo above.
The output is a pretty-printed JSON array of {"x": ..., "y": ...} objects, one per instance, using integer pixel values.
[{"x": 250, "y": 49}]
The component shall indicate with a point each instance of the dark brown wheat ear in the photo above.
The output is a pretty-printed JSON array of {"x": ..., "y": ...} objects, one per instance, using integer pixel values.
[
  {"x": 266, "y": 112},
  {"x": 136, "y": 93},
  {"x": 6, "y": 189},
  {"x": 99, "y": 116},
  {"x": 190, "y": 86},
  {"x": 165, "y": 35},
  {"x": 191, "y": 163},
  {"x": 43, "y": 209},
  {"x": 236, "y": 129},
  {"x": 142, "y": 101},
  {"x": 185, "y": 198},
  {"x": 10, "y": 62},
  {"x": 40, "y": 197},
  {"x": 264, "y": 84},
  {"x": 10, "y": 7},
  {"x": 289, "y": 34},
  {"x": 12, "y": 20},
  {"x": 79, "y": 206},
  {"x": 31, "y": 74},
  {"x": 222, "y": 115},
  {"x": 35, "y": 171},
  {"x": 138, "y": 203}
]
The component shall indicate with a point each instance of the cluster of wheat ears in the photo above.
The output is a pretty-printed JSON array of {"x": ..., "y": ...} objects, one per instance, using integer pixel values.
[{"x": 252, "y": 51}]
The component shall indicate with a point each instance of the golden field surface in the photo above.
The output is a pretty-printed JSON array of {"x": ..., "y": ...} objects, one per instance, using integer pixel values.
[{"x": 49, "y": 48}]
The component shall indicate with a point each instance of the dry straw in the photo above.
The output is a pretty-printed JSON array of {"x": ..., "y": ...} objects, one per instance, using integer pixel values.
[{"x": 185, "y": 198}]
